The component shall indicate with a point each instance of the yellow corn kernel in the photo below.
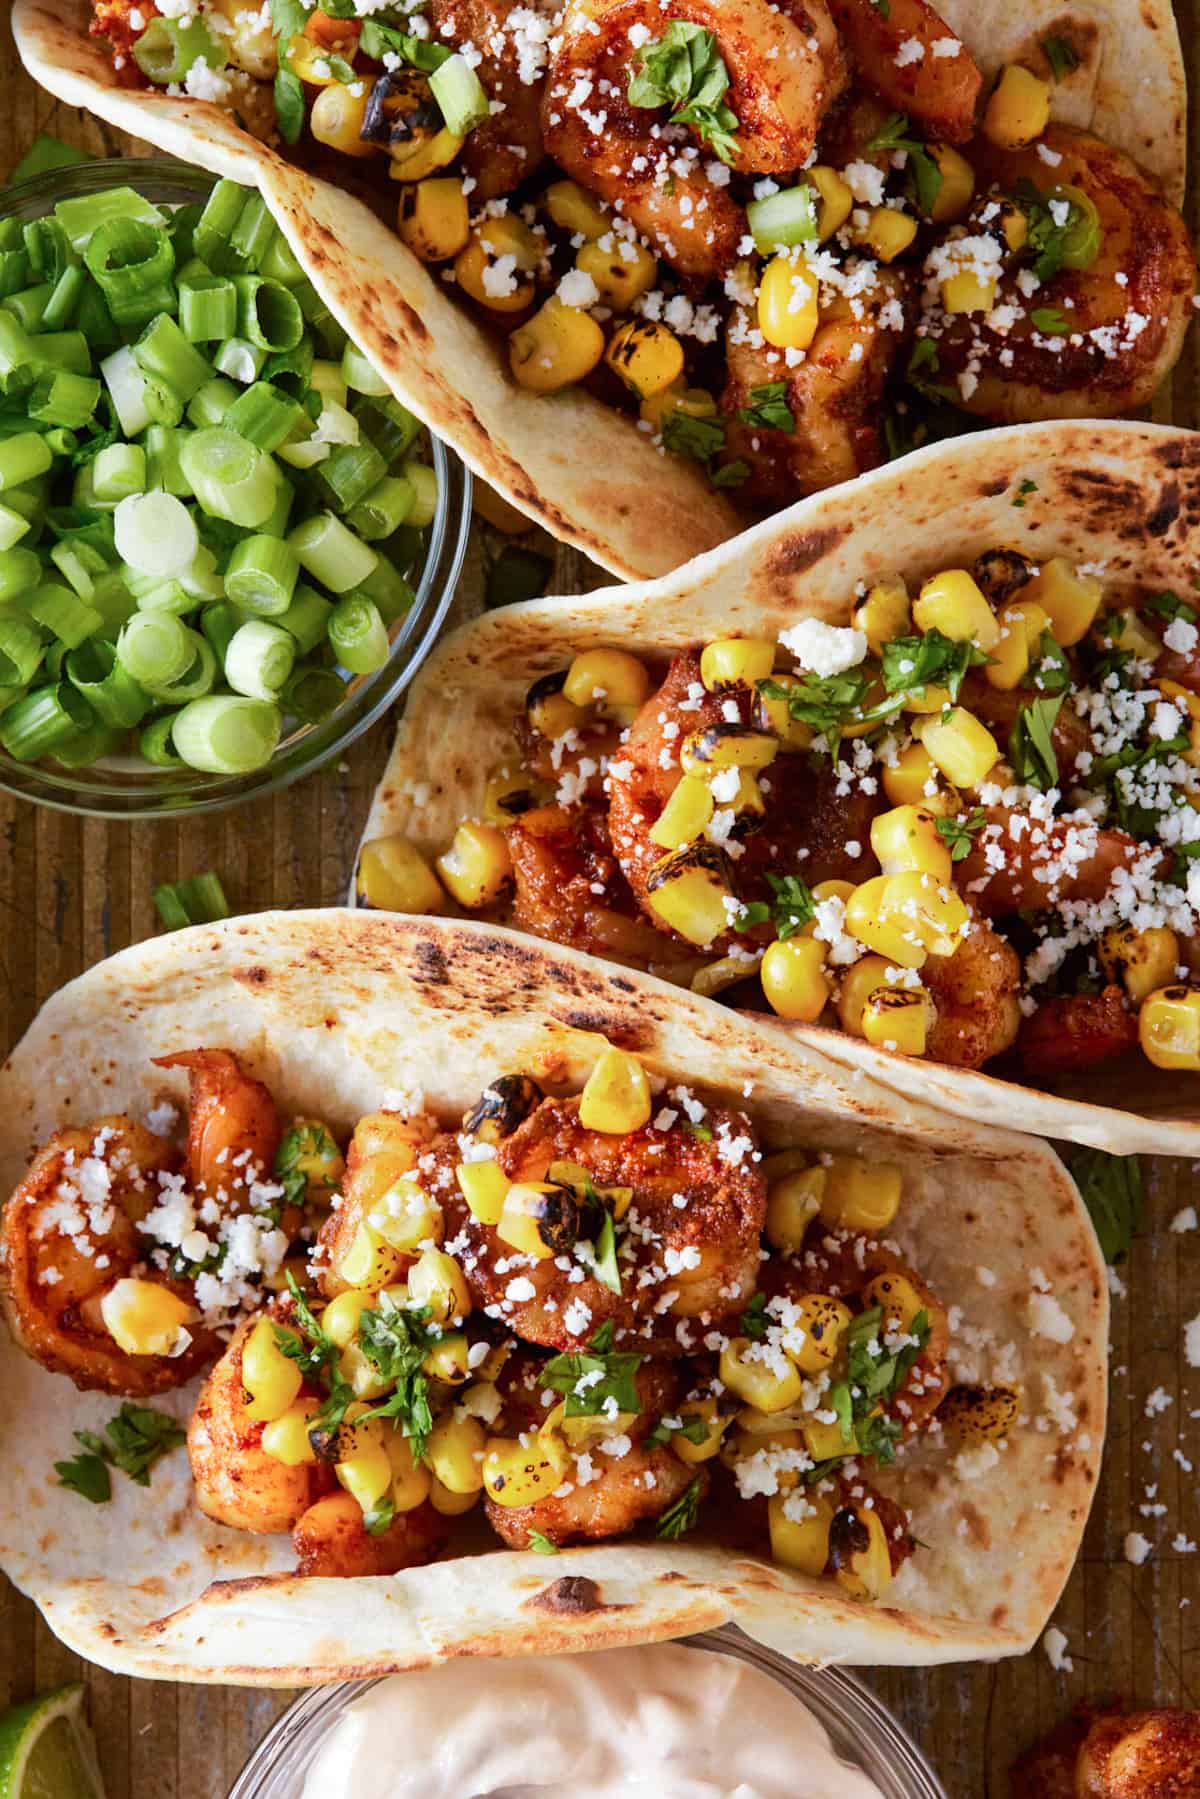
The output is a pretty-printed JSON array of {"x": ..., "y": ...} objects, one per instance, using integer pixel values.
[
  {"x": 889, "y": 232},
  {"x": 418, "y": 157},
  {"x": 836, "y": 199},
  {"x": 927, "y": 699},
  {"x": 793, "y": 1202},
  {"x": 310, "y": 1149},
  {"x": 859, "y": 982},
  {"x": 898, "y": 1298},
  {"x": 873, "y": 916},
  {"x": 558, "y": 347},
  {"x": 483, "y": 1186},
  {"x": 726, "y": 746},
  {"x": 434, "y": 220},
  {"x": 865, "y": 1573},
  {"x": 622, "y": 274},
  {"x": 356, "y": 1366},
  {"x": 898, "y": 1018},
  {"x": 788, "y": 314},
  {"x": 694, "y": 402},
  {"x": 883, "y": 614},
  {"x": 286, "y": 1438},
  {"x": 509, "y": 793},
  {"x": 616, "y": 1097},
  {"x": 646, "y": 355},
  {"x": 1126, "y": 631},
  {"x": 1014, "y": 224},
  {"x": 492, "y": 239},
  {"x": 393, "y": 876},
  {"x": 450, "y": 1505},
  {"x": 385, "y": 1146},
  {"x": 735, "y": 662},
  {"x": 826, "y": 890},
  {"x": 710, "y": 1442},
  {"x": 980, "y": 1414},
  {"x": 794, "y": 979},
  {"x": 860, "y": 1196},
  {"x": 337, "y": 115},
  {"x": 477, "y": 867},
  {"x": 1021, "y": 624},
  {"x": 411, "y": 1480},
  {"x": 958, "y": 184},
  {"x": 1142, "y": 961},
  {"x": 405, "y": 1217},
  {"x": 449, "y": 1360},
  {"x": 364, "y": 1467},
  {"x": 965, "y": 292},
  {"x": 824, "y": 1321},
  {"x": 772, "y": 715},
  {"x": 516, "y": 1473},
  {"x": 914, "y": 780},
  {"x": 520, "y": 1217},
  {"x": 745, "y": 1372},
  {"x": 690, "y": 891},
  {"x": 455, "y": 1452},
  {"x": 144, "y": 1317},
  {"x": 1169, "y": 1027},
  {"x": 961, "y": 745},
  {"x": 907, "y": 837},
  {"x": 341, "y": 1318},
  {"x": 310, "y": 62},
  {"x": 549, "y": 711},
  {"x": 800, "y": 1536},
  {"x": 611, "y": 679},
  {"x": 436, "y": 1280},
  {"x": 824, "y": 1441},
  {"x": 685, "y": 814},
  {"x": 573, "y": 209},
  {"x": 1171, "y": 690},
  {"x": 1019, "y": 108},
  {"x": 1071, "y": 600},
  {"x": 368, "y": 1261},
  {"x": 953, "y": 604}
]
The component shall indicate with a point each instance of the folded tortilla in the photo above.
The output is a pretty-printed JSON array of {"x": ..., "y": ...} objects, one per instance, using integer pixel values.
[
  {"x": 334, "y": 1009},
  {"x": 1125, "y": 497},
  {"x": 573, "y": 464}
]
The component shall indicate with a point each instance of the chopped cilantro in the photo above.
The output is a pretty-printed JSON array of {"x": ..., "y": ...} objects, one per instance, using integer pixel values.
[
  {"x": 1031, "y": 744},
  {"x": 684, "y": 70},
  {"x": 701, "y": 1131},
  {"x": 395, "y": 1340},
  {"x": 925, "y": 357},
  {"x": 541, "y": 1545},
  {"x": 791, "y": 909},
  {"x": 730, "y": 474},
  {"x": 304, "y": 1143},
  {"x": 1050, "y": 320},
  {"x": 566, "y": 1373},
  {"x": 132, "y": 1441},
  {"x": 378, "y": 39},
  {"x": 883, "y": 8},
  {"x": 601, "y": 1340},
  {"x": 289, "y": 104},
  {"x": 681, "y": 1516},
  {"x": 1023, "y": 492},
  {"x": 380, "y": 1516},
  {"x": 1062, "y": 56},
  {"x": 823, "y": 702},
  {"x": 703, "y": 439},
  {"x": 753, "y": 1322},
  {"x": 693, "y": 1429},
  {"x": 929, "y": 660},
  {"x": 958, "y": 834},
  {"x": 874, "y": 1375},
  {"x": 768, "y": 408},
  {"x": 1050, "y": 669},
  {"x": 1073, "y": 243},
  {"x": 1169, "y": 605},
  {"x": 926, "y": 175},
  {"x": 86, "y": 1474},
  {"x": 605, "y": 1266},
  {"x": 1111, "y": 1189}
]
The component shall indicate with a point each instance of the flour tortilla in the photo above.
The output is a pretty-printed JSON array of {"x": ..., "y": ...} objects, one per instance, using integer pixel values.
[
  {"x": 334, "y": 1009},
  {"x": 1125, "y": 496},
  {"x": 573, "y": 464}
]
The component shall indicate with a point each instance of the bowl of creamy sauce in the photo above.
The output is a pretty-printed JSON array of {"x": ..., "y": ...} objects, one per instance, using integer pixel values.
[{"x": 714, "y": 1717}]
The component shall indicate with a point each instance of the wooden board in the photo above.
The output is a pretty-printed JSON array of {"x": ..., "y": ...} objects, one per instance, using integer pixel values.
[{"x": 72, "y": 891}]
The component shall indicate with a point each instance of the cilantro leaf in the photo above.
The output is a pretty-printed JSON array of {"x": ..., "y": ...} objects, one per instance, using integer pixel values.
[
  {"x": 823, "y": 702},
  {"x": 418, "y": 53},
  {"x": 605, "y": 1266},
  {"x": 1031, "y": 745},
  {"x": 541, "y": 1545},
  {"x": 1050, "y": 670},
  {"x": 958, "y": 834},
  {"x": 87, "y": 1475},
  {"x": 925, "y": 356},
  {"x": 874, "y": 1375},
  {"x": 308, "y": 1142},
  {"x": 380, "y": 1516},
  {"x": 1062, "y": 56},
  {"x": 683, "y": 1515},
  {"x": 768, "y": 408},
  {"x": 601, "y": 1339},
  {"x": 1169, "y": 605},
  {"x": 922, "y": 166},
  {"x": 132, "y": 1441},
  {"x": 753, "y": 1322},
  {"x": 288, "y": 18},
  {"x": 1050, "y": 320},
  {"x": 289, "y": 104},
  {"x": 692, "y": 1428},
  {"x": 684, "y": 70},
  {"x": 883, "y": 8},
  {"x": 703, "y": 440},
  {"x": 1023, "y": 491},
  {"x": 1070, "y": 241},
  {"x": 791, "y": 909},
  {"x": 929, "y": 660},
  {"x": 730, "y": 474},
  {"x": 395, "y": 1340},
  {"x": 601, "y": 1377},
  {"x": 1111, "y": 1189}
]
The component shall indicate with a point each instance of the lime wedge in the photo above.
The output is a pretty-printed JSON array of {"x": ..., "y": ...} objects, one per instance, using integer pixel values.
[{"x": 47, "y": 1751}]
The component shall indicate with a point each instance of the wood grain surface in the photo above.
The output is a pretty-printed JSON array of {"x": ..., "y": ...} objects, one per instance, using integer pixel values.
[{"x": 73, "y": 890}]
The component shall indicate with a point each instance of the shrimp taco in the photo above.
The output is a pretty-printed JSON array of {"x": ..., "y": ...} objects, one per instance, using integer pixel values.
[
  {"x": 658, "y": 271},
  {"x": 914, "y": 767},
  {"x": 499, "y": 1327}
]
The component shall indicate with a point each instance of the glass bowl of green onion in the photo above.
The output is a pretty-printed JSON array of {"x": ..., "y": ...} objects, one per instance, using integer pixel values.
[{"x": 225, "y": 548}]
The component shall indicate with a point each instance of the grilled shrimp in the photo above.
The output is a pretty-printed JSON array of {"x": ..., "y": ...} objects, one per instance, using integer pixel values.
[
  {"x": 998, "y": 708},
  {"x": 1048, "y": 862},
  {"x": 69, "y": 1234},
  {"x": 785, "y": 66},
  {"x": 233, "y": 1127},
  {"x": 331, "y": 1540},
  {"x": 1074, "y": 1031},
  {"x": 940, "y": 90},
  {"x": 1123, "y": 336},
  {"x": 604, "y": 1495},
  {"x": 507, "y": 148},
  {"x": 1147, "y": 1755},
  {"x": 677, "y": 1262},
  {"x": 976, "y": 994},
  {"x": 383, "y": 1150}
]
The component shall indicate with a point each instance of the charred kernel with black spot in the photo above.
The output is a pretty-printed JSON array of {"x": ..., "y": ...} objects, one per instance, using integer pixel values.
[
  {"x": 505, "y": 1104},
  {"x": 550, "y": 713},
  {"x": 980, "y": 1414},
  {"x": 848, "y": 1537},
  {"x": 558, "y": 1220},
  {"x": 1002, "y": 573},
  {"x": 727, "y": 745}
]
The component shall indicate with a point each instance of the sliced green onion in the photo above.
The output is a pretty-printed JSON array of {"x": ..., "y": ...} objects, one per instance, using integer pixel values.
[
  {"x": 79, "y": 565},
  {"x": 163, "y": 404},
  {"x": 460, "y": 94},
  {"x": 126, "y": 385},
  {"x": 167, "y": 49},
  {"x": 87, "y": 745},
  {"x": 264, "y": 416},
  {"x": 328, "y": 380},
  {"x": 261, "y": 575},
  {"x": 276, "y": 524},
  {"x": 36, "y": 725},
  {"x": 207, "y": 308},
  {"x": 307, "y": 618},
  {"x": 46, "y": 153},
  {"x": 156, "y": 534},
  {"x": 60, "y": 441},
  {"x": 62, "y": 398},
  {"x": 163, "y": 468},
  {"x": 154, "y": 742},
  {"x": 358, "y": 634},
  {"x": 268, "y": 313},
  {"x": 197, "y": 679},
  {"x": 155, "y": 594},
  {"x": 29, "y": 501},
  {"x": 230, "y": 477},
  {"x": 21, "y": 651},
  {"x": 384, "y": 509},
  {"x": 239, "y": 359},
  {"x": 200, "y": 578},
  {"x": 164, "y": 354},
  {"x": 63, "y": 350},
  {"x": 253, "y": 231},
  {"x": 279, "y": 262},
  {"x": 29, "y": 306},
  {"x": 82, "y": 216},
  {"x": 132, "y": 264},
  {"x": 312, "y": 694},
  {"x": 332, "y": 554},
  {"x": 392, "y": 428},
  {"x": 20, "y": 572},
  {"x": 107, "y": 686},
  {"x": 259, "y": 659},
  {"x": 425, "y": 490},
  {"x": 112, "y": 598},
  {"x": 93, "y": 318},
  {"x": 64, "y": 614},
  {"x": 305, "y": 452},
  {"x": 200, "y": 900},
  {"x": 784, "y": 219},
  {"x": 209, "y": 405},
  {"x": 48, "y": 248},
  {"x": 14, "y": 263},
  {"x": 63, "y": 303},
  {"x": 13, "y": 527},
  {"x": 17, "y": 354},
  {"x": 291, "y": 370},
  {"x": 227, "y": 734},
  {"x": 337, "y": 426},
  {"x": 23, "y": 458},
  {"x": 349, "y": 474},
  {"x": 182, "y": 226},
  {"x": 154, "y": 648},
  {"x": 360, "y": 374},
  {"x": 213, "y": 229},
  {"x": 119, "y": 470},
  {"x": 389, "y": 590},
  {"x": 219, "y": 623},
  {"x": 319, "y": 319}
]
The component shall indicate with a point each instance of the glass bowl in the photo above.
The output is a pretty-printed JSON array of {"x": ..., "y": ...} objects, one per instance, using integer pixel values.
[
  {"x": 860, "y": 1729},
  {"x": 127, "y": 787}
]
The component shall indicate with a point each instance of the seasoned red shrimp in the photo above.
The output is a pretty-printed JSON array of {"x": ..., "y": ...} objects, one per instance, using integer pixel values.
[
  {"x": 1145, "y": 1755},
  {"x": 507, "y": 148},
  {"x": 939, "y": 88},
  {"x": 1047, "y": 863},
  {"x": 233, "y": 1127},
  {"x": 976, "y": 992},
  {"x": 785, "y": 66},
  {"x": 998, "y": 708},
  {"x": 332, "y": 1541},
  {"x": 69, "y": 1234},
  {"x": 1123, "y": 336},
  {"x": 1074, "y": 1031}
]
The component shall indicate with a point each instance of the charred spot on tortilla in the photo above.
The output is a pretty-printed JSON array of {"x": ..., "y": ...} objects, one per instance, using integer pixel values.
[
  {"x": 1164, "y": 515},
  {"x": 573, "y": 1596},
  {"x": 432, "y": 966},
  {"x": 797, "y": 554}
]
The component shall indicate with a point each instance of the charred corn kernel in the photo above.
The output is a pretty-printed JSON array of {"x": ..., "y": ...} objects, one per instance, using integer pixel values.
[
  {"x": 961, "y": 745},
  {"x": 835, "y": 199},
  {"x": 366, "y": 1473},
  {"x": 558, "y": 347},
  {"x": 436, "y": 1280},
  {"x": 932, "y": 914},
  {"x": 685, "y": 814},
  {"x": 509, "y": 793},
  {"x": 337, "y": 115},
  {"x": 622, "y": 274},
  {"x": 898, "y": 1298},
  {"x": 610, "y": 678},
  {"x": 873, "y": 917},
  {"x": 450, "y": 1505},
  {"x": 1021, "y": 625},
  {"x": 953, "y": 604},
  {"x": 573, "y": 209},
  {"x": 787, "y": 303},
  {"x": 860, "y": 1196},
  {"x": 616, "y": 1096},
  {"x": 449, "y": 1360},
  {"x": 889, "y": 232},
  {"x": 341, "y": 1318},
  {"x": 1169, "y": 1027},
  {"x": 434, "y": 219},
  {"x": 694, "y": 402},
  {"x": 746, "y": 1372},
  {"x": 483, "y": 1185},
  {"x": 735, "y": 662},
  {"x": 286, "y": 1438},
  {"x": 771, "y": 713},
  {"x": 824, "y": 1441},
  {"x": 416, "y": 158},
  {"x": 980, "y": 1414},
  {"x": 1142, "y": 961},
  {"x": 914, "y": 780},
  {"x": 898, "y": 1018},
  {"x": 1013, "y": 225},
  {"x": 965, "y": 292},
  {"x": 368, "y": 1261},
  {"x": 799, "y": 1526},
  {"x": 884, "y": 613},
  {"x": 824, "y": 1321},
  {"x": 364, "y": 1377},
  {"x": 907, "y": 837},
  {"x": 388, "y": 1142},
  {"x": 860, "y": 981},
  {"x": 690, "y": 891},
  {"x": 411, "y": 1480},
  {"x": 406, "y": 1217},
  {"x": 748, "y": 801},
  {"x": 714, "y": 1429},
  {"x": 1019, "y": 109},
  {"x": 523, "y": 1208},
  {"x": 647, "y": 356},
  {"x": 476, "y": 270},
  {"x": 310, "y": 61},
  {"x": 516, "y": 1473},
  {"x": 794, "y": 979},
  {"x": 393, "y": 876},
  {"x": 793, "y": 1202},
  {"x": 455, "y": 1452},
  {"x": 144, "y": 1317},
  {"x": 1125, "y": 630},
  {"x": 477, "y": 867},
  {"x": 549, "y": 711},
  {"x": 859, "y": 1547},
  {"x": 726, "y": 746},
  {"x": 1071, "y": 600},
  {"x": 957, "y": 187}
]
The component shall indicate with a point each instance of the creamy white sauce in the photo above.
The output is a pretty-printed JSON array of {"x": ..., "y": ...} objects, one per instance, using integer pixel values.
[{"x": 660, "y": 1722}]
